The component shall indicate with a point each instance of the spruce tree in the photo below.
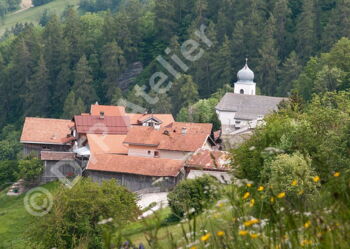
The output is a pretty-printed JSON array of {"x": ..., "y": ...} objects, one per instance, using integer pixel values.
[
  {"x": 306, "y": 30},
  {"x": 83, "y": 86},
  {"x": 72, "y": 106},
  {"x": 36, "y": 101},
  {"x": 268, "y": 61},
  {"x": 282, "y": 13},
  {"x": 288, "y": 73},
  {"x": 113, "y": 64}
]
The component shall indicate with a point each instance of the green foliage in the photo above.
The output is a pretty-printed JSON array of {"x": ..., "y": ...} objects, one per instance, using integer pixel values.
[
  {"x": 40, "y": 2},
  {"x": 319, "y": 131},
  {"x": 8, "y": 5},
  {"x": 73, "y": 220},
  {"x": 329, "y": 72},
  {"x": 193, "y": 196},
  {"x": 30, "y": 168},
  {"x": 8, "y": 172},
  {"x": 293, "y": 175}
]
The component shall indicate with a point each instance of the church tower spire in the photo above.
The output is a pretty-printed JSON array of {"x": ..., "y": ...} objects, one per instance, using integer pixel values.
[{"x": 245, "y": 83}]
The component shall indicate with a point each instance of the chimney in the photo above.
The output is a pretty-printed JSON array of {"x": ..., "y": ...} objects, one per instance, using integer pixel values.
[
  {"x": 184, "y": 131},
  {"x": 102, "y": 115}
]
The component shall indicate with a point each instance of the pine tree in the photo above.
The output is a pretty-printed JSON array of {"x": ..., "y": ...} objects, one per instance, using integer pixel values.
[
  {"x": 338, "y": 25},
  {"x": 36, "y": 101},
  {"x": 183, "y": 93},
  {"x": 73, "y": 34},
  {"x": 268, "y": 62},
  {"x": 282, "y": 13},
  {"x": 113, "y": 64},
  {"x": 288, "y": 73},
  {"x": 166, "y": 25},
  {"x": 83, "y": 87},
  {"x": 222, "y": 66},
  {"x": 163, "y": 105},
  {"x": 72, "y": 106},
  {"x": 117, "y": 95},
  {"x": 306, "y": 30}
]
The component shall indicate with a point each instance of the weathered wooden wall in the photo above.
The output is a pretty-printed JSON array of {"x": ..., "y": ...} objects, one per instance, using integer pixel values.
[{"x": 138, "y": 183}]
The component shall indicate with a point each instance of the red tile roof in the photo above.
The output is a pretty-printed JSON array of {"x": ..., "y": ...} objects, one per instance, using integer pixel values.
[
  {"x": 209, "y": 160},
  {"x": 191, "y": 127},
  {"x": 137, "y": 119},
  {"x": 109, "y": 110},
  {"x": 96, "y": 125},
  {"x": 135, "y": 165},
  {"x": 46, "y": 131},
  {"x": 107, "y": 144},
  {"x": 166, "y": 138},
  {"x": 56, "y": 156}
]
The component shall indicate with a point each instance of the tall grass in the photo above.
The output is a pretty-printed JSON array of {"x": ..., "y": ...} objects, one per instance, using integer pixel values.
[{"x": 253, "y": 216}]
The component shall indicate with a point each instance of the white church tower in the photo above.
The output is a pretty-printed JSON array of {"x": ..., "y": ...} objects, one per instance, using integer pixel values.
[{"x": 245, "y": 83}]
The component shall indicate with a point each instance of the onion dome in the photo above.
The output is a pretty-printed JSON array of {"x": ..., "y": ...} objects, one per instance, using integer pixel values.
[{"x": 245, "y": 74}]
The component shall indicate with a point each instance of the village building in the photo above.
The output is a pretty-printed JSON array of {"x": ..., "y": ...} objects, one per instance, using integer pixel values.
[
  {"x": 144, "y": 152},
  {"x": 241, "y": 111}
]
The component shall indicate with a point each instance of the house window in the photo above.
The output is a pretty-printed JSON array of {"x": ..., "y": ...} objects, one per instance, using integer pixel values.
[
  {"x": 156, "y": 154},
  {"x": 241, "y": 91},
  {"x": 149, "y": 152}
]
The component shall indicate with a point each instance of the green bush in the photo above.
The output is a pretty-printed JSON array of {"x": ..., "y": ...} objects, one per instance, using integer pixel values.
[
  {"x": 193, "y": 196},
  {"x": 292, "y": 175},
  {"x": 75, "y": 214},
  {"x": 8, "y": 170},
  {"x": 30, "y": 168}
]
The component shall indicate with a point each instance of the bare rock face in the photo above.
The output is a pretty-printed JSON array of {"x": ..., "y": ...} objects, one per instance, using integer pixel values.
[{"x": 129, "y": 76}]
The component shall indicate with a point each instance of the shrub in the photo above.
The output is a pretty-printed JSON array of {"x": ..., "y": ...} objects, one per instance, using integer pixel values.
[
  {"x": 30, "y": 168},
  {"x": 76, "y": 212},
  {"x": 8, "y": 170},
  {"x": 40, "y": 2},
  {"x": 292, "y": 175},
  {"x": 193, "y": 196}
]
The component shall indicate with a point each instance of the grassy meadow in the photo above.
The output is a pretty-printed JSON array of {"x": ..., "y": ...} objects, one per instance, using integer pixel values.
[{"x": 33, "y": 15}]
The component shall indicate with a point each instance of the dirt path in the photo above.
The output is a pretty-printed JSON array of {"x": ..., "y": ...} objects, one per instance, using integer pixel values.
[{"x": 25, "y": 4}]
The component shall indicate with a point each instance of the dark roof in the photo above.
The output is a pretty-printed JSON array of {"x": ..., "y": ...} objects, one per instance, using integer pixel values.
[
  {"x": 107, "y": 125},
  {"x": 248, "y": 107},
  {"x": 135, "y": 165}
]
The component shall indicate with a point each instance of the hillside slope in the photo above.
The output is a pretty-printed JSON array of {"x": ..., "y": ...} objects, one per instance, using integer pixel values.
[{"x": 32, "y": 15}]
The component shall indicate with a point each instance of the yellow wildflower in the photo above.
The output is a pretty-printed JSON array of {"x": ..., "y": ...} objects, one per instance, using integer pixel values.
[
  {"x": 193, "y": 247},
  {"x": 246, "y": 195},
  {"x": 251, "y": 222},
  {"x": 261, "y": 188},
  {"x": 336, "y": 174},
  {"x": 254, "y": 235},
  {"x": 205, "y": 237},
  {"x": 306, "y": 242},
  {"x": 272, "y": 199},
  {"x": 251, "y": 203},
  {"x": 316, "y": 179},
  {"x": 243, "y": 232},
  {"x": 281, "y": 195},
  {"x": 294, "y": 183},
  {"x": 301, "y": 192},
  {"x": 307, "y": 224},
  {"x": 220, "y": 233},
  {"x": 249, "y": 185}
]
